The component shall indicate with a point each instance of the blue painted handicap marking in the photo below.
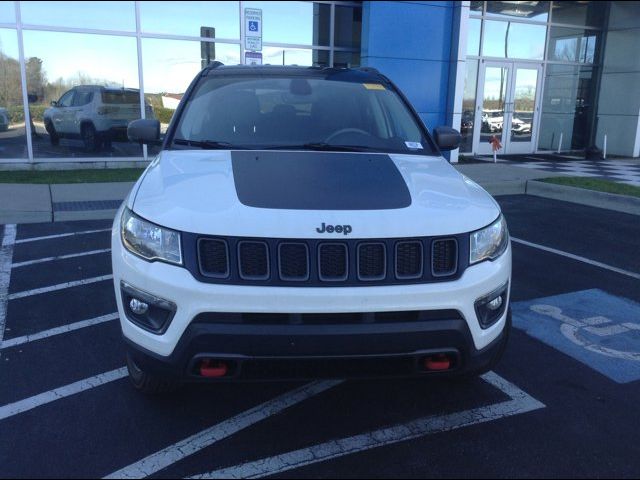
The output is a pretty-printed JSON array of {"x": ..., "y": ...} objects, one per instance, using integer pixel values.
[{"x": 597, "y": 329}]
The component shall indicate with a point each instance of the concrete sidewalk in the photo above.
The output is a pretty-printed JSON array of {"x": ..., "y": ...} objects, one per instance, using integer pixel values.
[{"x": 29, "y": 203}]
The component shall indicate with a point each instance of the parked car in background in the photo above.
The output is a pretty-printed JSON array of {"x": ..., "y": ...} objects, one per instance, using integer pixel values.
[
  {"x": 4, "y": 120},
  {"x": 95, "y": 114}
]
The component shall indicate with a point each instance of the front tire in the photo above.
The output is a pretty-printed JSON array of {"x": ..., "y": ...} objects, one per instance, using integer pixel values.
[
  {"x": 147, "y": 383},
  {"x": 54, "y": 138}
]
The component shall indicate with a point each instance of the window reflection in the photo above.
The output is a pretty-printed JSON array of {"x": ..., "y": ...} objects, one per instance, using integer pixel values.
[
  {"x": 95, "y": 15},
  {"x": 93, "y": 82},
  {"x": 189, "y": 18},
  {"x": 566, "y": 107},
  {"x": 287, "y": 56},
  {"x": 12, "y": 123},
  {"x": 468, "y": 105},
  {"x": 513, "y": 40},
  {"x": 7, "y": 12},
  {"x": 473, "y": 36},
  {"x": 303, "y": 23},
  {"x": 579, "y": 13},
  {"x": 169, "y": 66},
  {"x": 572, "y": 45},
  {"x": 348, "y": 27},
  {"x": 534, "y": 11},
  {"x": 346, "y": 59}
]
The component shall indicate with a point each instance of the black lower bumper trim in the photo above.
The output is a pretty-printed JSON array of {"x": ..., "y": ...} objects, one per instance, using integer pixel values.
[{"x": 308, "y": 352}]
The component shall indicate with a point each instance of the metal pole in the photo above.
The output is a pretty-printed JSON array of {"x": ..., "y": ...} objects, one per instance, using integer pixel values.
[{"x": 23, "y": 75}]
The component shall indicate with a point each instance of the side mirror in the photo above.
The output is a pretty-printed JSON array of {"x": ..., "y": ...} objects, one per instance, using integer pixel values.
[
  {"x": 447, "y": 138},
  {"x": 144, "y": 131},
  {"x": 54, "y": 103}
]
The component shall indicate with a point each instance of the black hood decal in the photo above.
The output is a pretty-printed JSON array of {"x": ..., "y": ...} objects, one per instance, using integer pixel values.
[{"x": 318, "y": 181}]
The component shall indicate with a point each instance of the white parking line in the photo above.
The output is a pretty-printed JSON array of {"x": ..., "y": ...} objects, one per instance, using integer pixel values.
[
  {"x": 62, "y": 392},
  {"x": 60, "y": 257},
  {"x": 60, "y": 235},
  {"x": 6, "y": 256},
  {"x": 178, "y": 451},
  {"x": 519, "y": 403},
  {"x": 60, "y": 286},
  {"x": 579, "y": 258},
  {"x": 12, "y": 342}
]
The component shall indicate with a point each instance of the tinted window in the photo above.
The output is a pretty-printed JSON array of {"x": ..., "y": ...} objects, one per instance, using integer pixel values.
[
  {"x": 283, "y": 111},
  {"x": 120, "y": 96}
]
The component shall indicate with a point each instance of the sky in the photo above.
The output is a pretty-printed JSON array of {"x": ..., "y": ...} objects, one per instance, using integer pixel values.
[{"x": 168, "y": 65}]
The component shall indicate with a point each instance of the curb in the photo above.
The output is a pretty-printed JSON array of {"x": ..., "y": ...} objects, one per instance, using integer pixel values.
[{"x": 582, "y": 196}]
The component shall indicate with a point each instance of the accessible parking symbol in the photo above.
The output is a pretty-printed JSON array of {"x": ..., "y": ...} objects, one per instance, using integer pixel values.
[{"x": 592, "y": 326}]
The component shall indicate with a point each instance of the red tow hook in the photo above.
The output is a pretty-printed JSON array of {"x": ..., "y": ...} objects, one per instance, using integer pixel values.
[
  {"x": 437, "y": 362},
  {"x": 213, "y": 368}
]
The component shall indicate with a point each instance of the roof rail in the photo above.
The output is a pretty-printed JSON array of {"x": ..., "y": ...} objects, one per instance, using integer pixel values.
[{"x": 369, "y": 70}]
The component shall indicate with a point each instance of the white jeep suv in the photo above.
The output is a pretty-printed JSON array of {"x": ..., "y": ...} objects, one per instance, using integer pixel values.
[
  {"x": 302, "y": 223},
  {"x": 97, "y": 115}
]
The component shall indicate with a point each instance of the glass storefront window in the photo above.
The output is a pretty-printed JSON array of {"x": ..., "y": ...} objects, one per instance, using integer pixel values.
[
  {"x": 469, "y": 105},
  {"x": 93, "y": 15},
  {"x": 287, "y": 56},
  {"x": 572, "y": 44},
  {"x": 348, "y": 27},
  {"x": 7, "y": 12},
  {"x": 13, "y": 142},
  {"x": 473, "y": 36},
  {"x": 191, "y": 19},
  {"x": 513, "y": 40},
  {"x": 583, "y": 14},
  {"x": 299, "y": 23},
  {"x": 534, "y": 11},
  {"x": 94, "y": 81},
  {"x": 169, "y": 66},
  {"x": 346, "y": 59},
  {"x": 476, "y": 7},
  {"x": 566, "y": 107}
]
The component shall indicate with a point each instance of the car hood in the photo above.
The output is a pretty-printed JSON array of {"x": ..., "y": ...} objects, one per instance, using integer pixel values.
[{"x": 292, "y": 194}]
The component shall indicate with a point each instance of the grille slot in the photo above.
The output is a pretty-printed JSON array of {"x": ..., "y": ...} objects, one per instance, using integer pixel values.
[
  {"x": 214, "y": 258},
  {"x": 409, "y": 260},
  {"x": 444, "y": 257},
  {"x": 253, "y": 260},
  {"x": 372, "y": 261},
  {"x": 332, "y": 262},
  {"x": 293, "y": 261}
]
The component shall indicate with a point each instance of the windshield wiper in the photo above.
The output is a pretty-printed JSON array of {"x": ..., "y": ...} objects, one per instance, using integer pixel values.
[
  {"x": 209, "y": 144},
  {"x": 321, "y": 146}
]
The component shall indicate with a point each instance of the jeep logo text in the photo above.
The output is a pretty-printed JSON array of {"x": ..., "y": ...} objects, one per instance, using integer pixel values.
[{"x": 344, "y": 229}]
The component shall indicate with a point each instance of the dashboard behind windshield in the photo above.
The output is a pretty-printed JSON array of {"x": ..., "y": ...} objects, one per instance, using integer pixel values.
[{"x": 298, "y": 111}]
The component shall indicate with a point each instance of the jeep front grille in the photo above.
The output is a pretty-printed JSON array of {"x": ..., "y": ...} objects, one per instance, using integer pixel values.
[{"x": 312, "y": 262}]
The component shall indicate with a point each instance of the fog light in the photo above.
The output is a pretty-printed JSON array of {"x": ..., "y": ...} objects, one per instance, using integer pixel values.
[
  {"x": 138, "y": 307},
  {"x": 492, "y": 306},
  {"x": 145, "y": 310},
  {"x": 495, "y": 304}
]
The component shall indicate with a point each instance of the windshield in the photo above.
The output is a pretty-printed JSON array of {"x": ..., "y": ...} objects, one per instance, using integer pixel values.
[{"x": 298, "y": 112}]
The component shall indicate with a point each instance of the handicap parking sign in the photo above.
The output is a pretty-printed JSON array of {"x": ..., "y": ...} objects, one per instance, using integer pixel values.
[
  {"x": 253, "y": 26},
  {"x": 592, "y": 326}
]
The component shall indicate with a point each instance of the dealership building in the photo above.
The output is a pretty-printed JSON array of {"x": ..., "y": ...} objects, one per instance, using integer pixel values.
[{"x": 541, "y": 76}]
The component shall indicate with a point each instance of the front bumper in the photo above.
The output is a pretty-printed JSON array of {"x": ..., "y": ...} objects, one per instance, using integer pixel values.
[
  {"x": 306, "y": 352},
  {"x": 176, "y": 347}
]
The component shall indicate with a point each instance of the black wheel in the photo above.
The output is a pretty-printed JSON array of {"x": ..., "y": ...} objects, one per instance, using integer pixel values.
[
  {"x": 147, "y": 383},
  {"x": 54, "y": 138},
  {"x": 90, "y": 138}
]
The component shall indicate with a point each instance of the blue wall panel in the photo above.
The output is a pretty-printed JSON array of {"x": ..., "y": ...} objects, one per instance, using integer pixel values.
[{"x": 411, "y": 42}]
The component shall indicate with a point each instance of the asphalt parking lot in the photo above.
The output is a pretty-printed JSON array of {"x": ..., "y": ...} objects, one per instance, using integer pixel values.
[{"x": 562, "y": 403}]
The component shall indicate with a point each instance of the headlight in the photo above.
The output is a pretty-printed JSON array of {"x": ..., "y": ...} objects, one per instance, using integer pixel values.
[
  {"x": 150, "y": 241},
  {"x": 490, "y": 242}
]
